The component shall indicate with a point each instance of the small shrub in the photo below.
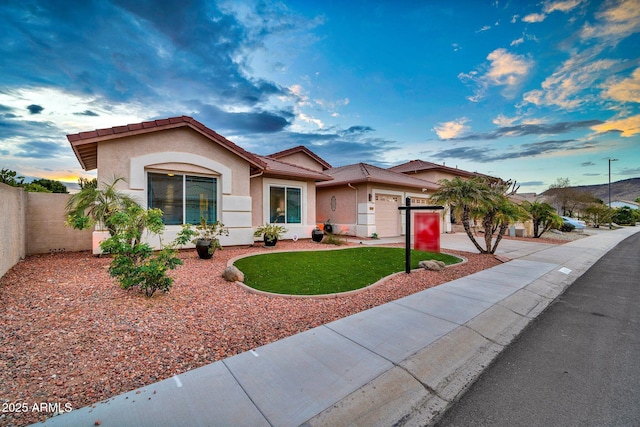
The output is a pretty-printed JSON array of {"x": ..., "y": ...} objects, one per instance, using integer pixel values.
[
  {"x": 136, "y": 263},
  {"x": 624, "y": 216},
  {"x": 335, "y": 239}
]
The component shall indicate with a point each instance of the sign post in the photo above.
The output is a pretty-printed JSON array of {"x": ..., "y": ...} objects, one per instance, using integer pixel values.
[{"x": 429, "y": 225}]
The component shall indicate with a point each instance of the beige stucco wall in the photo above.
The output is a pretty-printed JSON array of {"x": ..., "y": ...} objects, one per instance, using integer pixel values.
[
  {"x": 182, "y": 150},
  {"x": 347, "y": 208},
  {"x": 301, "y": 159},
  {"x": 46, "y": 231},
  {"x": 12, "y": 226},
  {"x": 256, "y": 201},
  {"x": 33, "y": 223},
  {"x": 114, "y": 156},
  {"x": 345, "y": 204},
  {"x": 260, "y": 204}
]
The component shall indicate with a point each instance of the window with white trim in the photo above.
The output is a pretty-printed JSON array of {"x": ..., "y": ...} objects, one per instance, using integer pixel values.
[
  {"x": 183, "y": 199},
  {"x": 285, "y": 205}
]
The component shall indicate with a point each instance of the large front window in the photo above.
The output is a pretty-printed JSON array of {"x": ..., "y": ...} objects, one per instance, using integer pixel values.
[
  {"x": 285, "y": 205},
  {"x": 183, "y": 199}
]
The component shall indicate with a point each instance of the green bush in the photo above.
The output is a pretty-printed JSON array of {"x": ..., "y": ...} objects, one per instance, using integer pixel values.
[
  {"x": 624, "y": 216},
  {"x": 136, "y": 263}
]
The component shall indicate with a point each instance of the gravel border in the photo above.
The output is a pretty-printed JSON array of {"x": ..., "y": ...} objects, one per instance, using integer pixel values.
[{"x": 69, "y": 334}]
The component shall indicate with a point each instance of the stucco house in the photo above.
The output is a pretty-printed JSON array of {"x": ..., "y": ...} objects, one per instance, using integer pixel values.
[
  {"x": 188, "y": 170},
  {"x": 363, "y": 199}
]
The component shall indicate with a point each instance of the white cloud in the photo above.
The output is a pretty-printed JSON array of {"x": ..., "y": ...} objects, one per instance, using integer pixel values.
[
  {"x": 562, "y": 5},
  {"x": 309, "y": 119},
  {"x": 452, "y": 129},
  {"x": 516, "y": 42},
  {"x": 484, "y": 28},
  {"x": 615, "y": 23},
  {"x": 514, "y": 19},
  {"x": 68, "y": 110},
  {"x": 550, "y": 7},
  {"x": 504, "y": 69},
  {"x": 569, "y": 86},
  {"x": 298, "y": 92},
  {"x": 534, "y": 17},
  {"x": 504, "y": 121}
]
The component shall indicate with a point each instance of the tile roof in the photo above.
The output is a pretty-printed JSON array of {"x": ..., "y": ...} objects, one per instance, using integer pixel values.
[
  {"x": 85, "y": 144},
  {"x": 362, "y": 172},
  {"x": 283, "y": 169},
  {"x": 301, "y": 149},
  {"x": 415, "y": 166}
]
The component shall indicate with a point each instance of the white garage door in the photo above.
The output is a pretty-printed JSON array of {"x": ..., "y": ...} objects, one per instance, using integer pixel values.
[{"x": 387, "y": 215}]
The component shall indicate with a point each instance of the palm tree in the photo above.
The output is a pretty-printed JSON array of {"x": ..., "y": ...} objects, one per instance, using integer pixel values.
[
  {"x": 464, "y": 197},
  {"x": 480, "y": 198},
  {"x": 507, "y": 212},
  {"x": 543, "y": 215},
  {"x": 93, "y": 205}
]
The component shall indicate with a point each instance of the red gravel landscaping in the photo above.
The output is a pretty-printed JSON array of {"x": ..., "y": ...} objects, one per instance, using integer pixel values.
[{"x": 69, "y": 334}]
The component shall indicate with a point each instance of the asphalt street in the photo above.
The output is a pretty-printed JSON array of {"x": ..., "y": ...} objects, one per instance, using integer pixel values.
[{"x": 578, "y": 364}]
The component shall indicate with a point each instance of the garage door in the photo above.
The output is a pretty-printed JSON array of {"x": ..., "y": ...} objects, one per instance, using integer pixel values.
[{"x": 387, "y": 215}]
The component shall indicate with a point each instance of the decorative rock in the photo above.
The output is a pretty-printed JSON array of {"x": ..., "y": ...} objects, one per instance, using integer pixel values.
[
  {"x": 432, "y": 265},
  {"x": 232, "y": 274}
]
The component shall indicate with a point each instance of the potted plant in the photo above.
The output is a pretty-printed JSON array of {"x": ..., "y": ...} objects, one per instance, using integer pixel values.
[
  {"x": 271, "y": 233},
  {"x": 317, "y": 235},
  {"x": 206, "y": 237}
]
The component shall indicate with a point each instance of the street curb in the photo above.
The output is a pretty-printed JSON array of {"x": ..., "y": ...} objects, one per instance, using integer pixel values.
[{"x": 436, "y": 377}]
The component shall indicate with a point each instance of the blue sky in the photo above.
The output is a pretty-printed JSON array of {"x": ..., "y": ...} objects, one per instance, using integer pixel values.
[{"x": 530, "y": 91}]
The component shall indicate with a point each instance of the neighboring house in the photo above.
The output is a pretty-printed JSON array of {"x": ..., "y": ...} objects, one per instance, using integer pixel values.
[
  {"x": 363, "y": 199},
  {"x": 435, "y": 172},
  {"x": 432, "y": 171},
  {"x": 188, "y": 170}
]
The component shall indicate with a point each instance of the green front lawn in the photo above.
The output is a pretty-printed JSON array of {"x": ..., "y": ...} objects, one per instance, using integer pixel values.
[{"x": 328, "y": 272}]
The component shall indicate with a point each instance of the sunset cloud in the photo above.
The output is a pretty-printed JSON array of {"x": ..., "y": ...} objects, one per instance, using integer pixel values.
[
  {"x": 624, "y": 90},
  {"x": 453, "y": 129},
  {"x": 627, "y": 127}
]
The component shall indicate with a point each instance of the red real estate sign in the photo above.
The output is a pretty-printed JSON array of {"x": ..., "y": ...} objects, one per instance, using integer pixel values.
[{"x": 427, "y": 231}]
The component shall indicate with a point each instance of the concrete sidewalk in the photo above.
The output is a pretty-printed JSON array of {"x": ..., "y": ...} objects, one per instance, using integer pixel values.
[{"x": 400, "y": 363}]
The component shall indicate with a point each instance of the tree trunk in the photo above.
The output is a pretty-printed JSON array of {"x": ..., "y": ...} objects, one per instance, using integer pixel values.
[
  {"x": 465, "y": 223},
  {"x": 487, "y": 224},
  {"x": 503, "y": 229}
]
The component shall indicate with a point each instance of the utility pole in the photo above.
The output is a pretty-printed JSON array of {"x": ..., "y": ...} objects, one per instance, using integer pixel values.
[{"x": 610, "y": 160}]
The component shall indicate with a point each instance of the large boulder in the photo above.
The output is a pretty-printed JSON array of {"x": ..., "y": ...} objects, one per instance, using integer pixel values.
[
  {"x": 432, "y": 265},
  {"x": 232, "y": 274}
]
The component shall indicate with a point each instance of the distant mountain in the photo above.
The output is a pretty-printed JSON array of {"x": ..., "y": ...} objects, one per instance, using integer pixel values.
[{"x": 627, "y": 189}]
